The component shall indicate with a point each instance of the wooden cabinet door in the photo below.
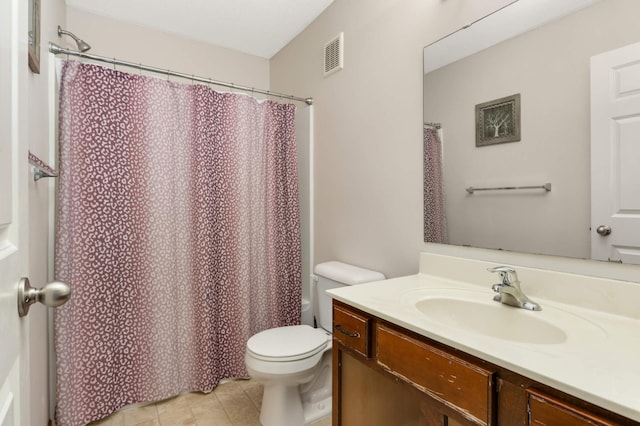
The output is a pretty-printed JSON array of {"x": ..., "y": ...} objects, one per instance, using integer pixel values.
[
  {"x": 352, "y": 329},
  {"x": 457, "y": 384},
  {"x": 432, "y": 416},
  {"x": 545, "y": 410},
  {"x": 365, "y": 397}
]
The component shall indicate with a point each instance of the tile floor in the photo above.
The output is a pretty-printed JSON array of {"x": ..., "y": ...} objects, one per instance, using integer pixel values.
[{"x": 234, "y": 403}]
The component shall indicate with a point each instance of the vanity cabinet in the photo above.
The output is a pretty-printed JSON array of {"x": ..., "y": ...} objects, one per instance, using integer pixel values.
[{"x": 386, "y": 375}]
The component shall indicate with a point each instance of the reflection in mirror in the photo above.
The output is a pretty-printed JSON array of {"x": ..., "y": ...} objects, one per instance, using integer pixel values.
[
  {"x": 549, "y": 67},
  {"x": 435, "y": 225}
]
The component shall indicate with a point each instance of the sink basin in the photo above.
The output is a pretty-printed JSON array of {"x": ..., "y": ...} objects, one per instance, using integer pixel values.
[
  {"x": 496, "y": 320},
  {"x": 476, "y": 312}
]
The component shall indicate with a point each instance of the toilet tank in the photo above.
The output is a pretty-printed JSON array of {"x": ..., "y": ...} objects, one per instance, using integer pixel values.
[{"x": 337, "y": 274}]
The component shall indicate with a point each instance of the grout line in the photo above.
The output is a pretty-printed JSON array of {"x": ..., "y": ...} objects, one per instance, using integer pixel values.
[
  {"x": 226, "y": 413},
  {"x": 252, "y": 402}
]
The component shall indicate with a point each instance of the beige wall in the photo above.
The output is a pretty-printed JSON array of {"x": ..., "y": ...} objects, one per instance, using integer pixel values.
[
  {"x": 549, "y": 67},
  {"x": 112, "y": 38},
  {"x": 368, "y": 149}
]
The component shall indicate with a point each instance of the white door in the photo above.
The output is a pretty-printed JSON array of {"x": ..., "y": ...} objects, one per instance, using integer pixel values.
[
  {"x": 615, "y": 155},
  {"x": 13, "y": 213}
]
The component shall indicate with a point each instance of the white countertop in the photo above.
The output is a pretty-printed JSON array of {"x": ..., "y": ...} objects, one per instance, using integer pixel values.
[{"x": 600, "y": 363}]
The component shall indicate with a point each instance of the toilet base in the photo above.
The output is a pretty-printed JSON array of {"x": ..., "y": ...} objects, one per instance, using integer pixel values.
[
  {"x": 281, "y": 406},
  {"x": 298, "y": 399},
  {"x": 316, "y": 410}
]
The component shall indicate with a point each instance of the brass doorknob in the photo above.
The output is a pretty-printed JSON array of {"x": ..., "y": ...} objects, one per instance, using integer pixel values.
[{"x": 53, "y": 294}]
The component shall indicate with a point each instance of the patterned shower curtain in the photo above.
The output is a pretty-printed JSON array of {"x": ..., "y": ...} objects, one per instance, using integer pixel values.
[
  {"x": 435, "y": 224},
  {"x": 178, "y": 232}
]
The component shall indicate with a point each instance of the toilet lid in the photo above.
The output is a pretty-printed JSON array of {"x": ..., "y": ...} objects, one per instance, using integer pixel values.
[{"x": 288, "y": 343}]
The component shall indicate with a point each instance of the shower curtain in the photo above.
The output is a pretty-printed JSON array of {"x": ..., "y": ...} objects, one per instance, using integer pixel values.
[
  {"x": 178, "y": 232},
  {"x": 435, "y": 225}
]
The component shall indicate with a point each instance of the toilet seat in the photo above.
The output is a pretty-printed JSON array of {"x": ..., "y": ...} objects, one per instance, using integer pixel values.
[{"x": 289, "y": 343}]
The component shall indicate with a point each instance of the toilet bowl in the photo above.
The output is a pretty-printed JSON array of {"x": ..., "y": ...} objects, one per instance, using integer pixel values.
[
  {"x": 283, "y": 359},
  {"x": 294, "y": 362}
]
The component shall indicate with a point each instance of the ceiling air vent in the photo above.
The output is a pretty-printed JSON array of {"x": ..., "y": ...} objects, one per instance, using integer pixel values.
[{"x": 333, "y": 55}]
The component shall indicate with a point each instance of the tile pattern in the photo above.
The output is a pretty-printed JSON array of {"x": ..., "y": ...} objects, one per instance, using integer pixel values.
[{"x": 234, "y": 403}]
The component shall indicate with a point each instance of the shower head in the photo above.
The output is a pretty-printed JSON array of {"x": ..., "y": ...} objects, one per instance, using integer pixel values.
[{"x": 83, "y": 46}]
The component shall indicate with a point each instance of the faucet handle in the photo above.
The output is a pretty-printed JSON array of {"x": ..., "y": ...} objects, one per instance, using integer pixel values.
[{"x": 508, "y": 276}]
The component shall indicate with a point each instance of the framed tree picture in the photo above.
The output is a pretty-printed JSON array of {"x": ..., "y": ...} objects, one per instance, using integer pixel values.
[
  {"x": 34, "y": 36},
  {"x": 498, "y": 121}
]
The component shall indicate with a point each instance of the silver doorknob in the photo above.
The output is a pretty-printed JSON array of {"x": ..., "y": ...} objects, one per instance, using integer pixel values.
[
  {"x": 603, "y": 230},
  {"x": 52, "y": 294}
]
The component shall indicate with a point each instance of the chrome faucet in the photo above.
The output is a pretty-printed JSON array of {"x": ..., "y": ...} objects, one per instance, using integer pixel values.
[{"x": 509, "y": 291}]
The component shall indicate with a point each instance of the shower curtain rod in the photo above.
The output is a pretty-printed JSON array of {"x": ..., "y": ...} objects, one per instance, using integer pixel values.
[{"x": 55, "y": 49}]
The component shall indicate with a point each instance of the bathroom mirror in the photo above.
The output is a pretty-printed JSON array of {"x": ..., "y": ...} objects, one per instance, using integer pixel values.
[{"x": 540, "y": 50}]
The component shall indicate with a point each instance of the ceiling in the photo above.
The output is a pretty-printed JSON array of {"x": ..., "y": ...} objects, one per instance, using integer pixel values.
[
  {"x": 255, "y": 27},
  {"x": 515, "y": 19}
]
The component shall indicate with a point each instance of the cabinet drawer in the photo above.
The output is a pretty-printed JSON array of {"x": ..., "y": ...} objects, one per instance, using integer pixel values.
[
  {"x": 352, "y": 329},
  {"x": 464, "y": 387},
  {"x": 549, "y": 411}
]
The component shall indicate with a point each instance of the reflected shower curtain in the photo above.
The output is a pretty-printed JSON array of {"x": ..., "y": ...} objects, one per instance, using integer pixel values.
[
  {"x": 178, "y": 232},
  {"x": 435, "y": 225}
]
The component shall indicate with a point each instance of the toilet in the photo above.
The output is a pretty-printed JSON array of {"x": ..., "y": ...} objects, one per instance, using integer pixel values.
[{"x": 294, "y": 363}]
